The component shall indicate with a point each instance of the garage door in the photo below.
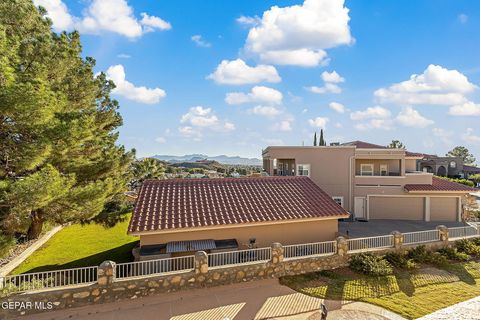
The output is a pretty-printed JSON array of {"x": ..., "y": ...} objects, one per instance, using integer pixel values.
[
  {"x": 402, "y": 208},
  {"x": 443, "y": 209}
]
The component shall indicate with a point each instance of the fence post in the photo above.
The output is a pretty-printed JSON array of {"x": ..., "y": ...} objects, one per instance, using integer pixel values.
[
  {"x": 397, "y": 239},
  {"x": 106, "y": 273},
  {"x": 342, "y": 246},
  {"x": 277, "y": 253},
  {"x": 201, "y": 262},
  {"x": 443, "y": 233}
]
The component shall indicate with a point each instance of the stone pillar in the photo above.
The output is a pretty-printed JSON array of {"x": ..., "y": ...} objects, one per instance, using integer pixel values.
[
  {"x": 443, "y": 233},
  {"x": 106, "y": 273},
  {"x": 277, "y": 253},
  {"x": 201, "y": 262},
  {"x": 342, "y": 246},
  {"x": 397, "y": 239}
]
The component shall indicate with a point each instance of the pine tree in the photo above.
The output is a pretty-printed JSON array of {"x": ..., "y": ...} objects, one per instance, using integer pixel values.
[
  {"x": 315, "y": 139},
  {"x": 59, "y": 161},
  {"x": 322, "y": 141}
]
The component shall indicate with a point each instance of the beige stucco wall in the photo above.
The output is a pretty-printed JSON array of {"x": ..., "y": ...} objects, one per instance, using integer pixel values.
[
  {"x": 410, "y": 164},
  {"x": 443, "y": 209},
  {"x": 404, "y": 208},
  {"x": 285, "y": 233},
  {"x": 329, "y": 166}
]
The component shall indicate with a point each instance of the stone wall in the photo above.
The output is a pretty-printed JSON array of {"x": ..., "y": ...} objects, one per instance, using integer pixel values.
[{"x": 109, "y": 289}]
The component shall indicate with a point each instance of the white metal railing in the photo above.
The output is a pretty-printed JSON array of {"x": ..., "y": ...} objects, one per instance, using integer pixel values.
[
  {"x": 149, "y": 267},
  {"x": 361, "y": 244},
  {"x": 421, "y": 236},
  {"x": 462, "y": 232},
  {"x": 48, "y": 279},
  {"x": 221, "y": 259},
  {"x": 309, "y": 249}
]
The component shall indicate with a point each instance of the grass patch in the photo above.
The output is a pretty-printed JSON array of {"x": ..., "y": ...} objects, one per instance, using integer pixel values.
[
  {"x": 81, "y": 246},
  {"x": 411, "y": 294}
]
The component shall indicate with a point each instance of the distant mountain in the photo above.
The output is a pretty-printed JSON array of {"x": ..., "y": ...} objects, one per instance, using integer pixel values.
[{"x": 221, "y": 159}]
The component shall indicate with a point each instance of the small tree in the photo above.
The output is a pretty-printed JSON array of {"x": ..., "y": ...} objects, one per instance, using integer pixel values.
[
  {"x": 322, "y": 140},
  {"x": 396, "y": 144},
  {"x": 315, "y": 139},
  {"x": 462, "y": 153}
]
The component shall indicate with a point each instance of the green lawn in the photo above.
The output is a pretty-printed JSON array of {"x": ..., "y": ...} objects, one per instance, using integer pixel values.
[
  {"x": 410, "y": 294},
  {"x": 81, "y": 246}
]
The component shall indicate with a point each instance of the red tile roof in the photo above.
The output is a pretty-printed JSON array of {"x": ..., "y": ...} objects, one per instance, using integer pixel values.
[
  {"x": 192, "y": 203},
  {"x": 439, "y": 184},
  {"x": 366, "y": 145}
]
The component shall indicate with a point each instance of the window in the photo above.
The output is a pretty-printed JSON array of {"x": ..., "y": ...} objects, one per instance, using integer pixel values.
[
  {"x": 366, "y": 169},
  {"x": 338, "y": 200},
  {"x": 453, "y": 164},
  {"x": 303, "y": 170},
  {"x": 384, "y": 170}
]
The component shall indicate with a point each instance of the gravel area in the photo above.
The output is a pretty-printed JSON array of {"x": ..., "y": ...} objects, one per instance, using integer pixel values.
[{"x": 467, "y": 310}]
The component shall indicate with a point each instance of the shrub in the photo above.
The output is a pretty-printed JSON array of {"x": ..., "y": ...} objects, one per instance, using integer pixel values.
[
  {"x": 418, "y": 254},
  {"x": 6, "y": 243},
  {"x": 399, "y": 260},
  {"x": 454, "y": 254},
  {"x": 461, "y": 181},
  {"x": 467, "y": 246},
  {"x": 437, "y": 258},
  {"x": 369, "y": 264}
]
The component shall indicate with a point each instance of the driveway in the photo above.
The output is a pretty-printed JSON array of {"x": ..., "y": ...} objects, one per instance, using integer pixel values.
[
  {"x": 263, "y": 299},
  {"x": 358, "y": 229}
]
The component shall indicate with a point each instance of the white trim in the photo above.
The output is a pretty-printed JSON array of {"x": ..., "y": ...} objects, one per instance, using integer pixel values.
[
  {"x": 371, "y": 166},
  {"x": 340, "y": 198},
  {"x": 230, "y": 226},
  {"x": 427, "y": 208},
  {"x": 360, "y": 176},
  {"x": 307, "y": 167},
  {"x": 459, "y": 209},
  {"x": 364, "y": 199}
]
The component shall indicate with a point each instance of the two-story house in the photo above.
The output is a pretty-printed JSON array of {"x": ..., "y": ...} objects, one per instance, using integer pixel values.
[{"x": 371, "y": 181}]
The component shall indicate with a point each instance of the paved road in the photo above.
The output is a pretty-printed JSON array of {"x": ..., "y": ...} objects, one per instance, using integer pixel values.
[
  {"x": 467, "y": 310},
  {"x": 263, "y": 299},
  {"x": 380, "y": 227}
]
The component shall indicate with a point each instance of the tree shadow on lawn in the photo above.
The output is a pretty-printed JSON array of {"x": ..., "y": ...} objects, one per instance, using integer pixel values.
[
  {"x": 119, "y": 254},
  {"x": 464, "y": 274}
]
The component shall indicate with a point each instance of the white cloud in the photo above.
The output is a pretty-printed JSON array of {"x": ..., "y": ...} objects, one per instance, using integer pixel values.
[
  {"x": 237, "y": 72},
  {"x": 273, "y": 141},
  {"x": 199, "y": 41},
  {"x": 381, "y": 124},
  {"x": 190, "y": 132},
  {"x": 468, "y": 108},
  {"x": 332, "y": 77},
  {"x": 200, "y": 118},
  {"x": 463, "y": 18},
  {"x": 410, "y": 117},
  {"x": 435, "y": 86},
  {"x": 376, "y": 112},
  {"x": 267, "y": 111},
  {"x": 123, "y": 56},
  {"x": 327, "y": 88},
  {"x": 102, "y": 15},
  {"x": 299, "y": 34},
  {"x": 318, "y": 122},
  {"x": 249, "y": 21},
  {"x": 338, "y": 107},
  {"x": 331, "y": 80},
  {"x": 284, "y": 125},
  {"x": 443, "y": 135},
  {"x": 160, "y": 140},
  {"x": 151, "y": 23},
  {"x": 257, "y": 94},
  {"x": 470, "y": 137},
  {"x": 128, "y": 90}
]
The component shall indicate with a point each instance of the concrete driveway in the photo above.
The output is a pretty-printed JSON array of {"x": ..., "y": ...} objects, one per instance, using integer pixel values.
[
  {"x": 358, "y": 229},
  {"x": 262, "y": 299}
]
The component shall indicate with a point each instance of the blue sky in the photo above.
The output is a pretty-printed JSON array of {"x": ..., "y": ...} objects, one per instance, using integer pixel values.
[{"x": 232, "y": 77}]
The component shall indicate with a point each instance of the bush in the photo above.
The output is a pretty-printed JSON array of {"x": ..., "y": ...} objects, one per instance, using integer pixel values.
[
  {"x": 454, "y": 254},
  {"x": 437, "y": 258},
  {"x": 399, "y": 260},
  {"x": 467, "y": 246},
  {"x": 6, "y": 243},
  {"x": 421, "y": 255},
  {"x": 461, "y": 181},
  {"x": 369, "y": 264}
]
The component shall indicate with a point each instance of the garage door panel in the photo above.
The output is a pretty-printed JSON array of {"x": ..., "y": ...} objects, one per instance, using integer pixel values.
[
  {"x": 443, "y": 209},
  {"x": 401, "y": 208}
]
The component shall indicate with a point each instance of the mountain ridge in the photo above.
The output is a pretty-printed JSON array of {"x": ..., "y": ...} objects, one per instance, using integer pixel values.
[{"x": 224, "y": 159}]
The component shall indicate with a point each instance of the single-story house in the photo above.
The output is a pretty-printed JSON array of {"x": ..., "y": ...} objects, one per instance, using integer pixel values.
[{"x": 180, "y": 216}]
